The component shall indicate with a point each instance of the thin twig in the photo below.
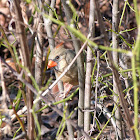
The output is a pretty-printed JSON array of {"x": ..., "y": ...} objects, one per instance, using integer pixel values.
[{"x": 96, "y": 88}]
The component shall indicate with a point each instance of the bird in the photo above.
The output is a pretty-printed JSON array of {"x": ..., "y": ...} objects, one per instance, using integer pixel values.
[{"x": 59, "y": 58}]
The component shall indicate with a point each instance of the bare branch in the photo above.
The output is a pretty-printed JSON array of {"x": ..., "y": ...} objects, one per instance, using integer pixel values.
[
  {"x": 89, "y": 66},
  {"x": 26, "y": 59}
]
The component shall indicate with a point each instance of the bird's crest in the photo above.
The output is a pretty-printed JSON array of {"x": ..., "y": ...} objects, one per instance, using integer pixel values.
[{"x": 59, "y": 45}]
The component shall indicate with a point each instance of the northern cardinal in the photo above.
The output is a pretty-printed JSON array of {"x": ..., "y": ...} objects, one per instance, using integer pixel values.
[{"x": 59, "y": 59}]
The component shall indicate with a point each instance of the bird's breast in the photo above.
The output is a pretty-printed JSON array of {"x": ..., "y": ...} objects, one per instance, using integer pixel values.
[{"x": 70, "y": 77}]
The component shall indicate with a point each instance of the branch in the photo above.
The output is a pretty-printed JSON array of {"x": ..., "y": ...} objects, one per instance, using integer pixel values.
[{"x": 26, "y": 59}]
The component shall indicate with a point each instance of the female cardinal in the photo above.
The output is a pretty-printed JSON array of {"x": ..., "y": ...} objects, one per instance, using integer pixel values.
[{"x": 59, "y": 59}]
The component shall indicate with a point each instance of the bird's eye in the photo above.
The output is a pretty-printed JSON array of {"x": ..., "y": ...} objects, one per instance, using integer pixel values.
[{"x": 57, "y": 57}]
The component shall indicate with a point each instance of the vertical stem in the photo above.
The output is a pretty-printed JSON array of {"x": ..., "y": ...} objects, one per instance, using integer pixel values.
[
  {"x": 26, "y": 59},
  {"x": 136, "y": 62},
  {"x": 48, "y": 26},
  {"x": 38, "y": 65},
  {"x": 89, "y": 65},
  {"x": 96, "y": 88},
  {"x": 115, "y": 14}
]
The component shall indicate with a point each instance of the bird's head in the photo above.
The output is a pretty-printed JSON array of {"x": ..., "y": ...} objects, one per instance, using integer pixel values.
[{"x": 57, "y": 58}]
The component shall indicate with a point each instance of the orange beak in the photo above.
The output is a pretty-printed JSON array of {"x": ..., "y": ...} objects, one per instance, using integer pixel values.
[{"x": 51, "y": 64}]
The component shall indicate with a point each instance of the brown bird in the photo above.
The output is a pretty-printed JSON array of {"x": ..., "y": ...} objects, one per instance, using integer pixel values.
[{"x": 59, "y": 59}]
